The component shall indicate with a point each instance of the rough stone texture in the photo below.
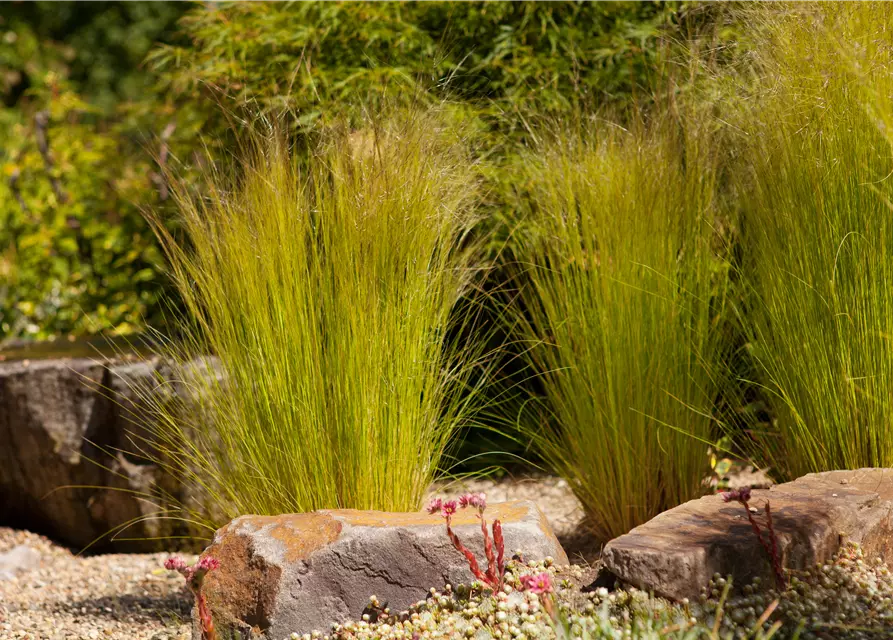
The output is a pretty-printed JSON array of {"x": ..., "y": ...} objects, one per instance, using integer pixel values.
[
  {"x": 677, "y": 552},
  {"x": 63, "y": 425},
  {"x": 299, "y": 573}
]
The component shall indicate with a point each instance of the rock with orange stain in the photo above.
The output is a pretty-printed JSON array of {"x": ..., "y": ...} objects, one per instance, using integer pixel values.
[{"x": 303, "y": 572}]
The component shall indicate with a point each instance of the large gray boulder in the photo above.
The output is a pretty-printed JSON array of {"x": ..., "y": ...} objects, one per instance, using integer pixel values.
[
  {"x": 69, "y": 463},
  {"x": 676, "y": 553},
  {"x": 299, "y": 573}
]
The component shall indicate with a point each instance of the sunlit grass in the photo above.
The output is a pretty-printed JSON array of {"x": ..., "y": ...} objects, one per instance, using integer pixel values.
[
  {"x": 621, "y": 295},
  {"x": 325, "y": 289},
  {"x": 817, "y": 233}
]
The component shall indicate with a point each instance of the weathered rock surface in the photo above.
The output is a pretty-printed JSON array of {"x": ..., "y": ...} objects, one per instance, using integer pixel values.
[
  {"x": 677, "y": 552},
  {"x": 299, "y": 573},
  {"x": 63, "y": 425}
]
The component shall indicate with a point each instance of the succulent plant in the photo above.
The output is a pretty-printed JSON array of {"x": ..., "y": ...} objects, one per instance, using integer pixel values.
[{"x": 850, "y": 598}]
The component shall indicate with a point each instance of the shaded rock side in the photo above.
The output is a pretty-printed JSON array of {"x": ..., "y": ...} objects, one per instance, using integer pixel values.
[
  {"x": 676, "y": 553},
  {"x": 299, "y": 573},
  {"x": 63, "y": 426}
]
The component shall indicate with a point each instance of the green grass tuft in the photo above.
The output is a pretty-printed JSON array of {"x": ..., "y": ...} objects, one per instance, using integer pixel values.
[
  {"x": 817, "y": 234},
  {"x": 326, "y": 289},
  {"x": 622, "y": 291}
]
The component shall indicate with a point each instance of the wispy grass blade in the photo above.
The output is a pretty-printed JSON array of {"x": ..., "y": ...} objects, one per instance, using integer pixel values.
[
  {"x": 622, "y": 292},
  {"x": 325, "y": 290},
  {"x": 817, "y": 233}
]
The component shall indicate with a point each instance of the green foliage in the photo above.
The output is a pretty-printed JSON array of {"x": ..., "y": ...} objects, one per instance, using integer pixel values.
[
  {"x": 817, "y": 234},
  {"x": 76, "y": 255},
  {"x": 96, "y": 47},
  {"x": 316, "y": 61},
  {"x": 622, "y": 294},
  {"x": 326, "y": 292},
  {"x": 315, "y": 58}
]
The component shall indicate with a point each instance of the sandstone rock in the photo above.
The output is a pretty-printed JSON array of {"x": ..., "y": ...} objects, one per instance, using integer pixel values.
[
  {"x": 299, "y": 573},
  {"x": 63, "y": 426},
  {"x": 677, "y": 552}
]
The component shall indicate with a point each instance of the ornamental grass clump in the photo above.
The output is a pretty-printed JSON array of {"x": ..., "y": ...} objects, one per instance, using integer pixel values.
[
  {"x": 324, "y": 289},
  {"x": 817, "y": 233},
  {"x": 622, "y": 278}
]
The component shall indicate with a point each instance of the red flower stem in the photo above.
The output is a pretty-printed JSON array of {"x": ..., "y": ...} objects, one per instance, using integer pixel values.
[
  {"x": 204, "y": 614},
  {"x": 488, "y": 551},
  {"x": 499, "y": 541},
  {"x": 472, "y": 561},
  {"x": 776, "y": 560},
  {"x": 771, "y": 551}
]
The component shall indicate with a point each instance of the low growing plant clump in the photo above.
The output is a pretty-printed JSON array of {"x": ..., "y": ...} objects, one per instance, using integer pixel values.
[{"x": 850, "y": 598}]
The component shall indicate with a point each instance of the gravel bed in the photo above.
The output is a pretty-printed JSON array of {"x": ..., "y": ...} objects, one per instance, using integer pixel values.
[
  {"x": 129, "y": 596},
  {"x": 68, "y": 597}
]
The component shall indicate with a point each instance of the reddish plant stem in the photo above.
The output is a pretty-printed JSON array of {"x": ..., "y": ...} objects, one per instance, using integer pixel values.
[
  {"x": 204, "y": 614},
  {"x": 472, "y": 561},
  {"x": 499, "y": 541},
  {"x": 776, "y": 558},
  {"x": 488, "y": 551},
  {"x": 770, "y": 546}
]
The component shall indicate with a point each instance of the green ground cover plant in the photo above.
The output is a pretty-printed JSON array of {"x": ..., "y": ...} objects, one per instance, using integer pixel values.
[
  {"x": 848, "y": 598},
  {"x": 326, "y": 289},
  {"x": 817, "y": 234},
  {"x": 622, "y": 282}
]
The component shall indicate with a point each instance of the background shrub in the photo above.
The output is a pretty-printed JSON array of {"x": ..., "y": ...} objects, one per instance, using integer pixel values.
[
  {"x": 76, "y": 256},
  {"x": 112, "y": 115}
]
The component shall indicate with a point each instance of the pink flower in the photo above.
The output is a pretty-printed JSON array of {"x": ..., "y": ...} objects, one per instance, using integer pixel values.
[
  {"x": 194, "y": 576},
  {"x": 478, "y": 500},
  {"x": 175, "y": 563},
  {"x": 742, "y": 495},
  {"x": 448, "y": 508},
  {"x": 434, "y": 506},
  {"x": 538, "y": 584}
]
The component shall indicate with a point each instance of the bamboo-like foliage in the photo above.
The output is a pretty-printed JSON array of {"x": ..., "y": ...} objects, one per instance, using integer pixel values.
[
  {"x": 621, "y": 295},
  {"x": 817, "y": 233},
  {"x": 324, "y": 288}
]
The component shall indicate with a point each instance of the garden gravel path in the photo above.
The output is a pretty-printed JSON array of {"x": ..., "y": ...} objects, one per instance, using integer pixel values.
[
  {"x": 102, "y": 597},
  {"x": 128, "y": 597}
]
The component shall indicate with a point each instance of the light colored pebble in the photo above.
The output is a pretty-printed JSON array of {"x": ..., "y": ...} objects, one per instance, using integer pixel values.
[{"x": 102, "y": 597}]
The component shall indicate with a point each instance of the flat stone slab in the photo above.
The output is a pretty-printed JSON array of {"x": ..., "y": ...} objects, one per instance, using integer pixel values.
[
  {"x": 676, "y": 553},
  {"x": 303, "y": 572}
]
